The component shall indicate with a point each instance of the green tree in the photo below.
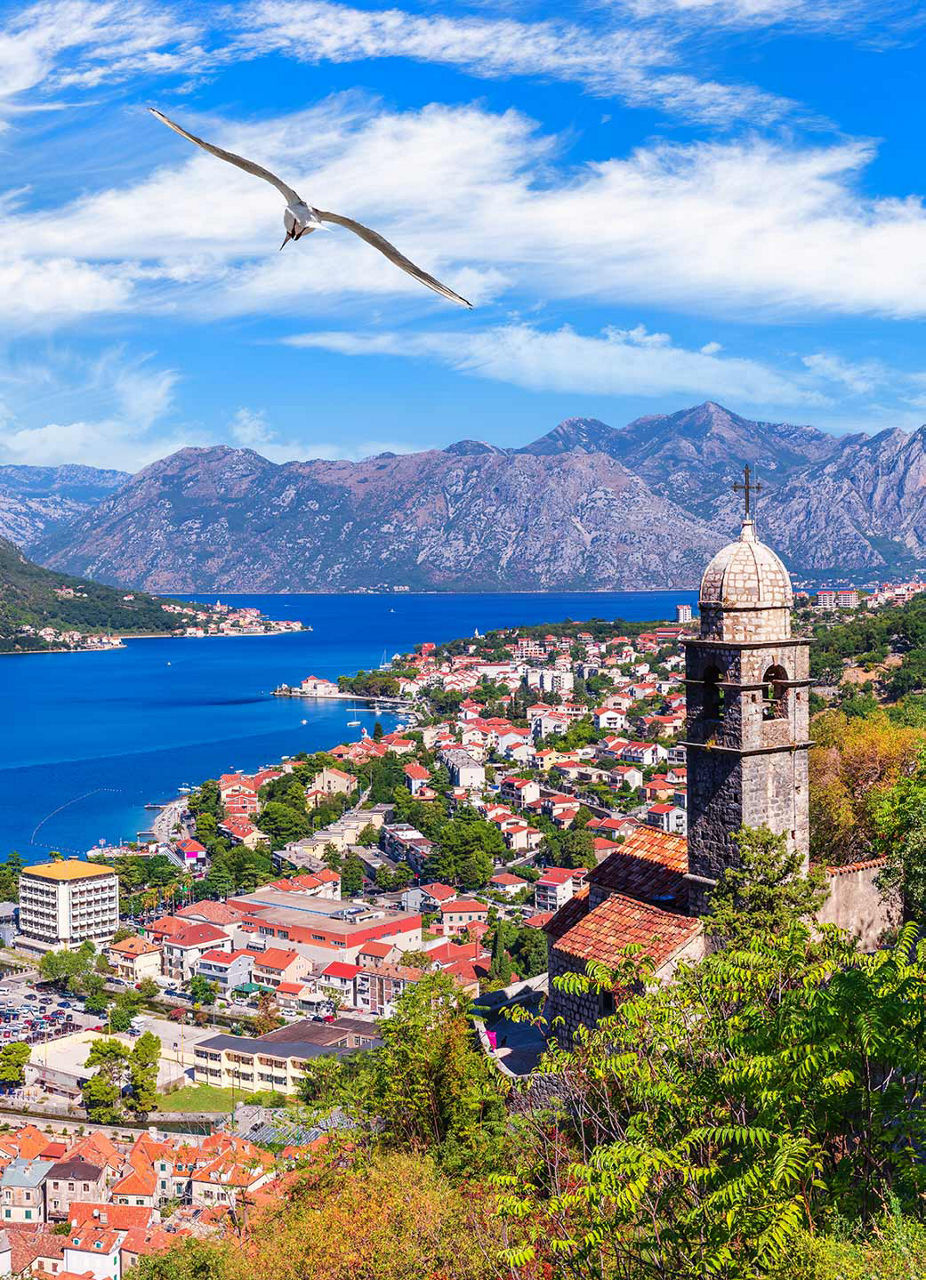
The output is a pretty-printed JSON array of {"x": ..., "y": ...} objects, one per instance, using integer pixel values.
[
  {"x": 13, "y": 1059},
  {"x": 369, "y": 836},
  {"x": 202, "y": 990},
  {"x": 124, "y": 931},
  {"x": 268, "y": 1014},
  {"x": 102, "y": 1093},
  {"x": 500, "y": 969},
  {"x": 899, "y": 819},
  {"x": 219, "y": 880},
  {"x": 766, "y": 892},
  {"x": 143, "y": 1074},
  {"x": 762, "y": 1092},
  {"x": 283, "y": 823},
  {"x": 96, "y": 999},
  {"x": 377, "y": 731},
  {"x": 351, "y": 876},
  {"x": 428, "y": 1087},
  {"x": 125, "y": 1008},
  {"x": 148, "y": 989}
]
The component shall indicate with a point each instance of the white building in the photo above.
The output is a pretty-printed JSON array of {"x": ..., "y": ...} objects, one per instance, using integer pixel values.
[
  {"x": 62, "y": 904},
  {"x": 464, "y": 770}
]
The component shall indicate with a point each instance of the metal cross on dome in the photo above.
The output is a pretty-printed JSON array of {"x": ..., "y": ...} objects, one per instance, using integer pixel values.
[{"x": 747, "y": 488}]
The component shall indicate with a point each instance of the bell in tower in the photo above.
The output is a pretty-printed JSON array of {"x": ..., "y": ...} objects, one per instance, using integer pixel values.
[{"x": 748, "y": 692}]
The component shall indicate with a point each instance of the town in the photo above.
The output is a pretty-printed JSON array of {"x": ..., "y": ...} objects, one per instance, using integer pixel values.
[{"x": 526, "y": 817}]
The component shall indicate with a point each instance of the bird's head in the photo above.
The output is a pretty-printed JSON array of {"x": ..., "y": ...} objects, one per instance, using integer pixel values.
[{"x": 299, "y": 219}]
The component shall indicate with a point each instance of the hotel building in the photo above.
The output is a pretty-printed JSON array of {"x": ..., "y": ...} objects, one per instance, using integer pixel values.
[{"x": 62, "y": 904}]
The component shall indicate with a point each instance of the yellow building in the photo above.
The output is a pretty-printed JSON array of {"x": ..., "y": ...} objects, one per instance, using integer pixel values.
[{"x": 62, "y": 904}]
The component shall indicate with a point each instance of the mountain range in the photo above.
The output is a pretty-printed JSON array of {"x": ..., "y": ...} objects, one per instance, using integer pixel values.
[{"x": 586, "y": 506}]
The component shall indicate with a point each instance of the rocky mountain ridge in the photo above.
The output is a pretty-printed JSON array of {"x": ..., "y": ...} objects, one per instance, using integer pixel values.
[
  {"x": 586, "y": 506},
  {"x": 34, "y": 500}
]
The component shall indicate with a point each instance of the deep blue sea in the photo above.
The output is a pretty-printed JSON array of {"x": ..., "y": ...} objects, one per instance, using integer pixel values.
[{"x": 90, "y": 738}]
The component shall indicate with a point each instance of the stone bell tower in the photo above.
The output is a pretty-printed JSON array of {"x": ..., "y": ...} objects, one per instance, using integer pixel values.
[{"x": 748, "y": 692}]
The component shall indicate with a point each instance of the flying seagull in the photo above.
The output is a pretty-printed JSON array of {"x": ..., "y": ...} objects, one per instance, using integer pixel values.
[{"x": 300, "y": 218}]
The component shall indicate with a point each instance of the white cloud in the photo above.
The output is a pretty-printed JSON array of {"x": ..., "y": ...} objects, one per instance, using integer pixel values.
[
  {"x": 859, "y": 378},
  {"x": 250, "y": 429},
  {"x": 615, "y": 363},
  {"x": 630, "y": 62},
  {"x": 751, "y": 228},
  {"x": 748, "y": 229},
  {"x": 60, "y": 44},
  {"x": 842, "y": 17},
  {"x": 131, "y": 401}
]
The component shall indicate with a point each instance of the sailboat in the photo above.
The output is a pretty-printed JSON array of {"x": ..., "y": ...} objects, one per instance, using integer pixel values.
[{"x": 352, "y": 724}]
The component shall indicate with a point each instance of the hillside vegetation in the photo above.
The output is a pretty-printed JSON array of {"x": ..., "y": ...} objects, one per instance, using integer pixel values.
[{"x": 33, "y": 598}]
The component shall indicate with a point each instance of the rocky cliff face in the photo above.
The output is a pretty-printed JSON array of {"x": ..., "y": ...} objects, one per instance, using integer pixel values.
[
  {"x": 34, "y": 500},
  {"x": 223, "y": 518},
  {"x": 585, "y": 506}
]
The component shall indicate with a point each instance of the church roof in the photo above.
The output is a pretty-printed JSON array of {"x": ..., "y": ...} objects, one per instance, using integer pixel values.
[{"x": 746, "y": 574}]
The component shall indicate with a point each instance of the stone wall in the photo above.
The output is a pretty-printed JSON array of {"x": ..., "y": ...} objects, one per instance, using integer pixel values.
[
  {"x": 855, "y": 903},
  {"x": 582, "y": 1010}
]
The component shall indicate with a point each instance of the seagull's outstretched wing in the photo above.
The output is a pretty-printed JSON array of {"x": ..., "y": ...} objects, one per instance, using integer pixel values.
[
  {"x": 392, "y": 253},
  {"x": 248, "y": 166}
]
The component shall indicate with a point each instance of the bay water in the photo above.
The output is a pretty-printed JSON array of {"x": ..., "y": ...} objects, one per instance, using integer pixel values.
[{"x": 89, "y": 739}]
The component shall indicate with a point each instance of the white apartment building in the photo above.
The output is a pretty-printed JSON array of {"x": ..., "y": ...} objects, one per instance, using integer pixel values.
[{"x": 62, "y": 904}]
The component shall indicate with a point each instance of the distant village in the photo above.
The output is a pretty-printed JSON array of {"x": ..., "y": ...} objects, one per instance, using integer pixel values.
[{"x": 200, "y": 620}]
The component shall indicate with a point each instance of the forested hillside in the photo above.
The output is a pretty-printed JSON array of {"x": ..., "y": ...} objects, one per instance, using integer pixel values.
[{"x": 33, "y": 599}]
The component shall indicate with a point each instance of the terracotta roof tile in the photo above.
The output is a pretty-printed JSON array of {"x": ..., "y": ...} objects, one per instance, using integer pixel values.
[
  {"x": 570, "y": 913},
  {"x": 606, "y": 930},
  {"x": 865, "y": 865}
]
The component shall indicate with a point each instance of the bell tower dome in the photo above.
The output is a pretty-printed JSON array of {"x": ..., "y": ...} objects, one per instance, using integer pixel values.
[{"x": 747, "y": 682}]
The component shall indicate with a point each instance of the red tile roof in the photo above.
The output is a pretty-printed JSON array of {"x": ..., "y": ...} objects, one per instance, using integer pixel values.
[
  {"x": 605, "y": 931},
  {"x": 865, "y": 865},
  {"x": 121, "y": 1217},
  {"x": 194, "y": 935},
  {"x": 275, "y": 958},
  {"x": 340, "y": 969},
  {"x": 464, "y": 904},
  {"x": 557, "y": 875}
]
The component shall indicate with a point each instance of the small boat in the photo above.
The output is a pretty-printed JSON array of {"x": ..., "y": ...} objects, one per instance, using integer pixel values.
[
  {"x": 305, "y": 722},
  {"x": 352, "y": 724},
  {"x": 310, "y": 627}
]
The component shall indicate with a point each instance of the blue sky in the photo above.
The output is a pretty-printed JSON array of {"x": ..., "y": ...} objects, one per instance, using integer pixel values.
[{"x": 651, "y": 203}]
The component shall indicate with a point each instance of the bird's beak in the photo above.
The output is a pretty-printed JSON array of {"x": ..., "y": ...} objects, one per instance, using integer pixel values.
[{"x": 285, "y": 242}]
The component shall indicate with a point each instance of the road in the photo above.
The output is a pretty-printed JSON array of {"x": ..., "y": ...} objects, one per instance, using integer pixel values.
[{"x": 167, "y": 819}]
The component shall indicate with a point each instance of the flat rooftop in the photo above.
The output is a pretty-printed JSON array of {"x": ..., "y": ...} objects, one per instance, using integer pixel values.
[
  {"x": 280, "y": 907},
  {"x": 71, "y": 869}
]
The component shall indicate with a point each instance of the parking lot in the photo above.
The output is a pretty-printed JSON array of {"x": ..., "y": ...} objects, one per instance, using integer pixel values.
[{"x": 38, "y": 1016}]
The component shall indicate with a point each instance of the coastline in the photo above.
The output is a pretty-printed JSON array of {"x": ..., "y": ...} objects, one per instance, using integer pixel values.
[{"x": 146, "y": 635}]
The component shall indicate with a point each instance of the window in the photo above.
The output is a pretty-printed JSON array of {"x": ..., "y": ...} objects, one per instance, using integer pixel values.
[
  {"x": 714, "y": 695},
  {"x": 28, "y": 1213},
  {"x": 775, "y": 694}
]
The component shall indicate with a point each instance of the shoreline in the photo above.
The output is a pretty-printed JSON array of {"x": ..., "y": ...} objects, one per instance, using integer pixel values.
[{"x": 146, "y": 635}]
